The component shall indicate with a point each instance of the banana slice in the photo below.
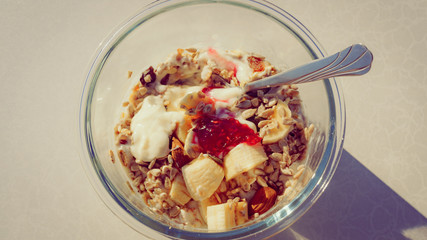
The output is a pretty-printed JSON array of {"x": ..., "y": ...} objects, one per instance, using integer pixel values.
[
  {"x": 280, "y": 130},
  {"x": 179, "y": 192},
  {"x": 241, "y": 213},
  {"x": 202, "y": 176},
  {"x": 183, "y": 128},
  {"x": 227, "y": 215},
  {"x": 221, "y": 216},
  {"x": 203, "y": 206},
  {"x": 242, "y": 158}
]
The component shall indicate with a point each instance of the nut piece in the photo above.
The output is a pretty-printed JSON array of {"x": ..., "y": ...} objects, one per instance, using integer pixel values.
[
  {"x": 263, "y": 200},
  {"x": 178, "y": 154}
]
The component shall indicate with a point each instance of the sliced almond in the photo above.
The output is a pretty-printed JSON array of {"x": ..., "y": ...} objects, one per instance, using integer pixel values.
[{"x": 178, "y": 154}]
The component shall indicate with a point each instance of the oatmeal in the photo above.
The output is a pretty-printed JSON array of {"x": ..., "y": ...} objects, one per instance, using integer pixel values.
[{"x": 201, "y": 151}]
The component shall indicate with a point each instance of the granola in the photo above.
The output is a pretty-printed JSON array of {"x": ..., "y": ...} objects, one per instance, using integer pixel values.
[{"x": 197, "y": 149}]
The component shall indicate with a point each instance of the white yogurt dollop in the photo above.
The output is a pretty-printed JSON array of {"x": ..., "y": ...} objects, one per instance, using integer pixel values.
[
  {"x": 226, "y": 94},
  {"x": 151, "y": 128},
  {"x": 175, "y": 94},
  {"x": 225, "y": 97}
]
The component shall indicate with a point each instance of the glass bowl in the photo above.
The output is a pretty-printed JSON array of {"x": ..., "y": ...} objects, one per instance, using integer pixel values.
[{"x": 159, "y": 29}]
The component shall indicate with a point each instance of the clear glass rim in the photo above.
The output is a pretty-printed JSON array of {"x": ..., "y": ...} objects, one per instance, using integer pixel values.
[{"x": 139, "y": 221}]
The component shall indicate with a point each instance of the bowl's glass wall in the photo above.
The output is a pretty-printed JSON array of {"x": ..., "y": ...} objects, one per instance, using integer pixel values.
[{"x": 148, "y": 38}]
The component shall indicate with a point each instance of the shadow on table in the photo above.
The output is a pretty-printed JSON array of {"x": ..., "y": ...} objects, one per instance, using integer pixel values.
[{"x": 358, "y": 205}]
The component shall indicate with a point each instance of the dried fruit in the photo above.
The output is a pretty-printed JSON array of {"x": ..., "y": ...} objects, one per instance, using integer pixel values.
[
  {"x": 148, "y": 76},
  {"x": 178, "y": 154},
  {"x": 256, "y": 63},
  {"x": 263, "y": 200}
]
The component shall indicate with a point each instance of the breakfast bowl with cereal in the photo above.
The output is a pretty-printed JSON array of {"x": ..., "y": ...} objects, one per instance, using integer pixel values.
[{"x": 174, "y": 146}]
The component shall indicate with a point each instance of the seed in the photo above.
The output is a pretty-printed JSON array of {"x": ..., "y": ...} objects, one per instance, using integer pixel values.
[
  {"x": 255, "y": 102},
  {"x": 287, "y": 171},
  {"x": 244, "y": 104},
  {"x": 248, "y": 113},
  {"x": 299, "y": 173},
  {"x": 207, "y": 108},
  {"x": 263, "y": 123},
  {"x": 266, "y": 113},
  {"x": 276, "y": 156},
  {"x": 168, "y": 183},
  {"x": 275, "y": 148},
  {"x": 272, "y": 102},
  {"x": 223, "y": 187},
  {"x": 260, "y": 180},
  {"x": 269, "y": 169}
]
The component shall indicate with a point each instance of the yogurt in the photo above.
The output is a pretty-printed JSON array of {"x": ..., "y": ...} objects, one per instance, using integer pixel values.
[{"x": 151, "y": 128}]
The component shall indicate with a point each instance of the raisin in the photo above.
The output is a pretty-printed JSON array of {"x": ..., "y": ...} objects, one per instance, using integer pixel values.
[{"x": 148, "y": 76}]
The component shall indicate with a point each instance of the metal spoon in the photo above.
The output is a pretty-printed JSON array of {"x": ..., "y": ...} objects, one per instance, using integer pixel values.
[{"x": 354, "y": 60}]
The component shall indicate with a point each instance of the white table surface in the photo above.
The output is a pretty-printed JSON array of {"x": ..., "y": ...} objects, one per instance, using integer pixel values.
[{"x": 379, "y": 190}]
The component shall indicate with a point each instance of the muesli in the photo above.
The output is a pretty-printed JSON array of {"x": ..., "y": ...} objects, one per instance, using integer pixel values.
[{"x": 201, "y": 151}]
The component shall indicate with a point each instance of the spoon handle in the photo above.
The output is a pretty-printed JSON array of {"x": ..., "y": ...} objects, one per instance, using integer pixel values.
[{"x": 354, "y": 60}]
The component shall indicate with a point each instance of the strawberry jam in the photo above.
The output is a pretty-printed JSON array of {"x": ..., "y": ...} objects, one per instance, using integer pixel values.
[{"x": 217, "y": 136}]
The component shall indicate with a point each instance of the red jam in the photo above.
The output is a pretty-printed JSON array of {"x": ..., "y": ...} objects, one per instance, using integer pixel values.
[{"x": 217, "y": 136}]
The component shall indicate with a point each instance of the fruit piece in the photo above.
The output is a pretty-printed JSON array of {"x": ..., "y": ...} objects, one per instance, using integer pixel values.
[
  {"x": 221, "y": 216},
  {"x": 227, "y": 215},
  {"x": 183, "y": 128},
  {"x": 242, "y": 158},
  {"x": 241, "y": 213},
  {"x": 263, "y": 200},
  {"x": 202, "y": 177},
  {"x": 256, "y": 63},
  {"x": 179, "y": 192},
  {"x": 280, "y": 130},
  {"x": 203, "y": 206},
  {"x": 178, "y": 154}
]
